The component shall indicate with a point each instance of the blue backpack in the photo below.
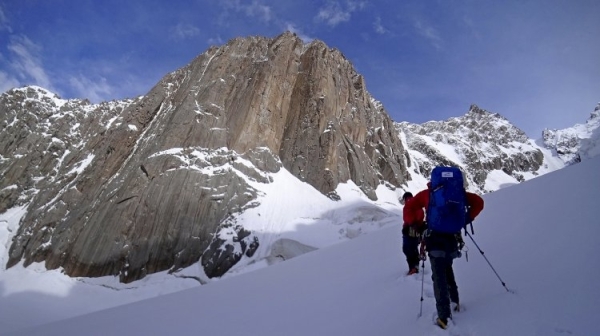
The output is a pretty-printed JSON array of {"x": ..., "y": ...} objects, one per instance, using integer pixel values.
[{"x": 447, "y": 209}]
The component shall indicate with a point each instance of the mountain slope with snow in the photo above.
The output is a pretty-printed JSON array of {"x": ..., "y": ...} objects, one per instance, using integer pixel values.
[
  {"x": 43, "y": 140},
  {"x": 491, "y": 151},
  {"x": 576, "y": 143},
  {"x": 540, "y": 236}
]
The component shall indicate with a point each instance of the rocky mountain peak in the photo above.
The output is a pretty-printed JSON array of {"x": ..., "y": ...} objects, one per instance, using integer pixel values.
[
  {"x": 156, "y": 183},
  {"x": 596, "y": 113},
  {"x": 476, "y": 110},
  {"x": 481, "y": 142}
]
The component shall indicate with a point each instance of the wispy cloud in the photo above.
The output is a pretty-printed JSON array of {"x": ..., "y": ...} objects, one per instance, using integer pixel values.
[
  {"x": 22, "y": 63},
  {"x": 184, "y": 30},
  {"x": 469, "y": 24},
  {"x": 4, "y": 24},
  {"x": 292, "y": 28},
  {"x": 378, "y": 26},
  {"x": 333, "y": 14},
  {"x": 355, "y": 5},
  {"x": 15, "y": 64},
  {"x": 7, "y": 81},
  {"x": 96, "y": 90},
  {"x": 215, "y": 40},
  {"x": 27, "y": 63},
  {"x": 256, "y": 9},
  {"x": 336, "y": 12},
  {"x": 429, "y": 33}
]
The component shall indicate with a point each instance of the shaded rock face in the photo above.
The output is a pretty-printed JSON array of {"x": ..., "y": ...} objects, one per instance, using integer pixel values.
[
  {"x": 483, "y": 141},
  {"x": 152, "y": 184},
  {"x": 43, "y": 137}
]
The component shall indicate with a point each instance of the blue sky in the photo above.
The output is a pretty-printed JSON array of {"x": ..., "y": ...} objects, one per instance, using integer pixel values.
[{"x": 536, "y": 62}]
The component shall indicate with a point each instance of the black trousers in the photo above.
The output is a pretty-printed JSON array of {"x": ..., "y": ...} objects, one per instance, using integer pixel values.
[
  {"x": 410, "y": 247},
  {"x": 444, "y": 283}
]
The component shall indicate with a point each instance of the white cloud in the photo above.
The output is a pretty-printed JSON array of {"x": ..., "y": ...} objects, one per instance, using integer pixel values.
[
  {"x": 305, "y": 38},
  {"x": 215, "y": 40},
  {"x": 333, "y": 14},
  {"x": 27, "y": 63},
  {"x": 4, "y": 23},
  {"x": 356, "y": 5},
  {"x": 379, "y": 28},
  {"x": 429, "y": 33},
  {"x": 95, "y": 90},
  {"x": 185, "y": 30},
  {"x": 336, "y": 12},
  {"x": 7, "y": 82},
  {"x": 256, "y": 9}
]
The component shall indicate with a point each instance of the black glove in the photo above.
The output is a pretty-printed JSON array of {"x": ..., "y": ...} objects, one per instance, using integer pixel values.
[
  {"x": 468, "y": 220},
  {"x": 421, "y": 228}
]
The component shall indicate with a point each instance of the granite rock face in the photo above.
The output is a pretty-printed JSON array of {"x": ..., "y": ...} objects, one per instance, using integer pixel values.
[
  {"x": 134, "y": 187},
  {"x": 43, "y": 137}
]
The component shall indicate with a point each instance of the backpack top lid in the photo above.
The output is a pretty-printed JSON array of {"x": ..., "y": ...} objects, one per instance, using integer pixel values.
[
  {"x": 447, "y": 209},
  {"x": 444, "y": 175}
]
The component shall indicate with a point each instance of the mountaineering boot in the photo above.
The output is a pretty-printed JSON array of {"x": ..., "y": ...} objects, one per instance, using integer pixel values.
[
  {"x": 442, "y": 323},
  {"x": 412, "y": 271},
  {"x": 455, "y": 307}
]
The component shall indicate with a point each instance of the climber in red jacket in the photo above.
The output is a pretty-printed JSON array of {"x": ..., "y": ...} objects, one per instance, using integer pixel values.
[
  {"x": 412, "y": 229},
  {"x": 442, "y": 248}
]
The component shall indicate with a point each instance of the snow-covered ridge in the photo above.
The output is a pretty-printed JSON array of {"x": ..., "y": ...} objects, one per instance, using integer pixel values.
[
  {"x": 35, "y": 93},
  {"x": 491, "y": 151},
  {"x": 576, "y": 143}
]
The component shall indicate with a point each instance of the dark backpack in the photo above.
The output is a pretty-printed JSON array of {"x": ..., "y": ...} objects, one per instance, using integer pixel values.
[{"x": 447, "y": 209}]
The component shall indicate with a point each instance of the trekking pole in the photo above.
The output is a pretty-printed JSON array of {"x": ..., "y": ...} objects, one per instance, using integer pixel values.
[
  {"x": 422, "y": 286},
  {"x": 486, "y": 259}
]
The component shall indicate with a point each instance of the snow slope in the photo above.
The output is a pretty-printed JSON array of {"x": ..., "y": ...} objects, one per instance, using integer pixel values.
[{"x": 540, "y": 235}]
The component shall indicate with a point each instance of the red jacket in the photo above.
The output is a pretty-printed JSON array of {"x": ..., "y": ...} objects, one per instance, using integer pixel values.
[
  {"x": 414, "y": 216},
  {"x": 413, "y": 208}
]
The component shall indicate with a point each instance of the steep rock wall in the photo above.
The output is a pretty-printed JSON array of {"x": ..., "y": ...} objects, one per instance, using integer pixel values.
[{"x": 151, "y": 191}]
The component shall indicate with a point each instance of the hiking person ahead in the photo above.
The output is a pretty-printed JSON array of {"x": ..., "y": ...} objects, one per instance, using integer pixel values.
[
  {"x": 412, "y": 229},
  {"x": 448, "y": 208}
]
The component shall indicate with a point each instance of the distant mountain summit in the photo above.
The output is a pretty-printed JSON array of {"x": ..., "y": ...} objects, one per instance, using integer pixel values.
[
  {"x": 479, "y": 142},
  {"x": 576, "y": 143}
]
